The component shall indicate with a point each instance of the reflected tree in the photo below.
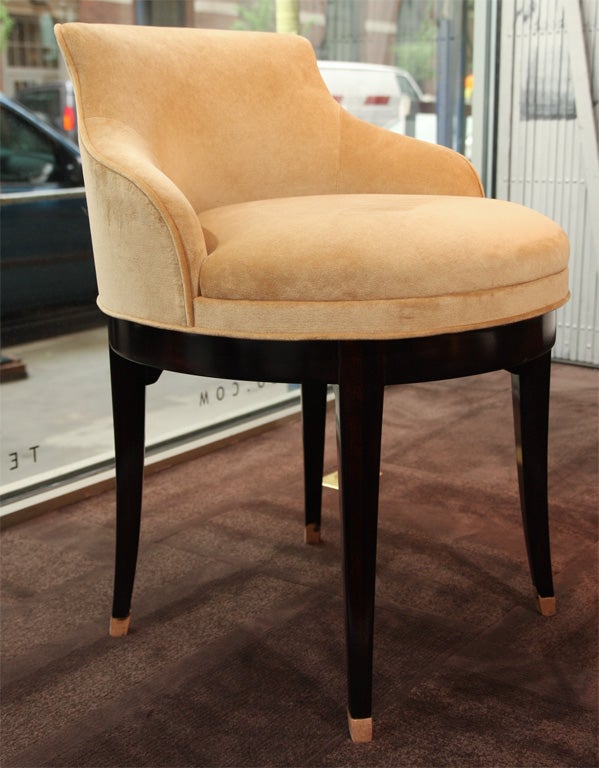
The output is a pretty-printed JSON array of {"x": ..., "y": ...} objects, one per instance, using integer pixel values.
[
  {"x": 6, "y": 24},
  {"x": 258, "y": 17}
]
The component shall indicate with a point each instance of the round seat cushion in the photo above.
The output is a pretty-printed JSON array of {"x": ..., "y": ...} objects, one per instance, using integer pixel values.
[{"x": 376, "y": 266}]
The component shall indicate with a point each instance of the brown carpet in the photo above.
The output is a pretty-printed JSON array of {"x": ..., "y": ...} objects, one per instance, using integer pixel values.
[{"x": 236, "y": 654}]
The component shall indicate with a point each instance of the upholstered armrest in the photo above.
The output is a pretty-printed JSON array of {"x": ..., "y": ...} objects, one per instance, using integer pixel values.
[
  {"x": 143, "y": 221},
  {"x": 373, "y": 159}
]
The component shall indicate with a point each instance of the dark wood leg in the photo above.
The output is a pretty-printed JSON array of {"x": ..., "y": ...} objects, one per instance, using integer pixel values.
[
  {"x": 314, "y": 411},
  {"x": 128, "y": 382},
  {"x": 530, "y": 391},
  {"x": 359, "y": 404}
]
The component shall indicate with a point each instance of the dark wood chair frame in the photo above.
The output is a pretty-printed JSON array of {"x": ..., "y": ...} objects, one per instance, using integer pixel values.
[{"x": 359, "y": 371}]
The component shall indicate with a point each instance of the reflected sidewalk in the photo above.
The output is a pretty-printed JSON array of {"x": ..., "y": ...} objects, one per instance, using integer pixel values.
[{"x": 60, "y": 415}]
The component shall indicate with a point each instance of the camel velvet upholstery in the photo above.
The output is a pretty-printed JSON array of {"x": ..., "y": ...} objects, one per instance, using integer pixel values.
[
  {"x": 244, "y": 201},
  {"x": 246, "y": 227}
]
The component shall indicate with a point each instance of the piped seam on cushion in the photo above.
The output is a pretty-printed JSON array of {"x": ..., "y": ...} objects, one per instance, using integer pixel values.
[{"x": 427, "y": 297}]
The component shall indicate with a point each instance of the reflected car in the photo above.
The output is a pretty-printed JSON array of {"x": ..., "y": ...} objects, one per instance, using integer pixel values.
[
  {"x": 47, "y": 274},
  {"x": 53, "y": 102}
]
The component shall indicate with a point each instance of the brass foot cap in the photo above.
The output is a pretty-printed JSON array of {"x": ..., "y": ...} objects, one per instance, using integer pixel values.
[
  {"x": 360, "y": 729},
  {"x": 312, "y": 534},
  {"x": 119, "y": 627},
  {"x": 331, "y": 480},
  {"x": 547, "y": 605}
]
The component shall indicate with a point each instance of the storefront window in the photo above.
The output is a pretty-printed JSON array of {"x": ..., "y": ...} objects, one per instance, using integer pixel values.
[{"x": 405, "y": 65}]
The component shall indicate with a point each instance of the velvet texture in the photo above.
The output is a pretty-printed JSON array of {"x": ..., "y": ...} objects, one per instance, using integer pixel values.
[{"x": 230, "y": 194}]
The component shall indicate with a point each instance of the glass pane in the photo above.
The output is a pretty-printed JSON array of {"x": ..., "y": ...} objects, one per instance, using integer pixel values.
[
  {"x": 26, "y": 156},
  {"x": 58, "y": 421},
  {"x": 402, "y": 64},
  {"x": 416, "y": 76}
]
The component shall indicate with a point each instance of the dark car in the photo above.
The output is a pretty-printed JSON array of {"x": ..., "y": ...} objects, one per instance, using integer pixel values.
[
  {"x": 47, "y": 273},
  {"x": 53, "y": 102}
]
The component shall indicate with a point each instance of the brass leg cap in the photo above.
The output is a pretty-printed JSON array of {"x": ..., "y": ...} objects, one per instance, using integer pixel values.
[
  {"x": 312, "y": 534},
  {"x": 119, "y": 627},
  {"x": 360, "y": 729},
  {"x": 547, "y": 605},
  {"x": 331, "y": 480}
]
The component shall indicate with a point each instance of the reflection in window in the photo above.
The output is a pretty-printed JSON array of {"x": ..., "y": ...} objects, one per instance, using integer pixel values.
[
  {"x": 25, "y": 155},
  {"x": 415, "y": 56},
  {"x": 32, "y": 42},
  {"x": 160, "y": 13}
]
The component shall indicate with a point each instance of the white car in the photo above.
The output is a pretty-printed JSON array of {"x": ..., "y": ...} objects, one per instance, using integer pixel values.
[{"x": 373, "y": 92}]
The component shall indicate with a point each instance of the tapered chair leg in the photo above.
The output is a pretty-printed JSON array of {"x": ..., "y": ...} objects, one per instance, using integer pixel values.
[
  {"x": 314, "y": 406},
  {"x": 128, "y": 381},
  {"x": 359, "y": 404},
  {"x": 530, "y": 391}
]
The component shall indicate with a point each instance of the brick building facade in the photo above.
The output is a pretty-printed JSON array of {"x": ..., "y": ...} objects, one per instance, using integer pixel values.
[{"x": 364, "y": 30}]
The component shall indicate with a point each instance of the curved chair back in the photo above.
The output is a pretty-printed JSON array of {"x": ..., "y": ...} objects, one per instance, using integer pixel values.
[{"x": 226, "y": 123}]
